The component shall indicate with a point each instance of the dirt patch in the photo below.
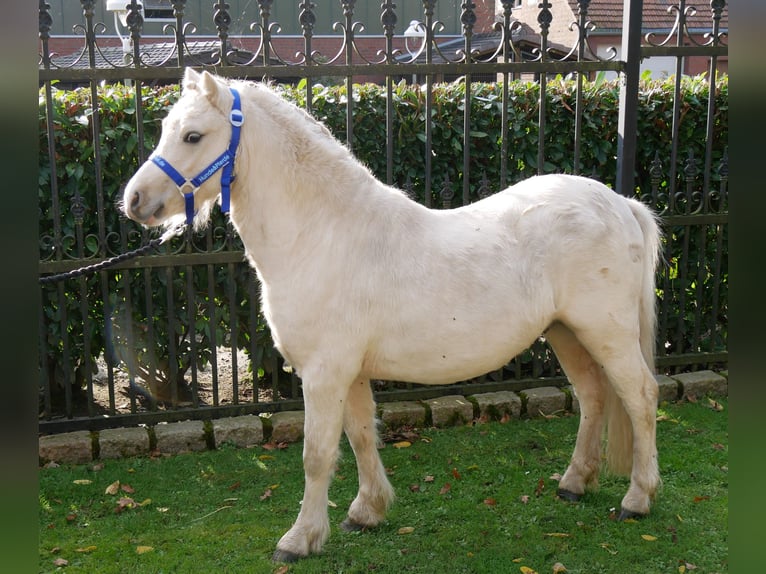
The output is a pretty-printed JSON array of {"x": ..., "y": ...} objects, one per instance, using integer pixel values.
[{"x": 127, "y": 399}]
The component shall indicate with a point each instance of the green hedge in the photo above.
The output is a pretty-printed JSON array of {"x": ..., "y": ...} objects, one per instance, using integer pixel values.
[{"x": 219, "y": 310}]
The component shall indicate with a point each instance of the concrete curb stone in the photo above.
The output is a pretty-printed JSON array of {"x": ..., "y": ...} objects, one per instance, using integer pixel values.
[
  {"x": 669, "y": 388},
  {"x": 496, "y": 404},
  {"x": 71, "y": 447},
  {"x": 402, "y": 413},
  {"x": 243, "y": 431},
  {"x": 702, "y": 383},
  {"x": 123, "y": 442},
  {"x": 450, "y": 410},
  {"x": 544, "y": 401},
  {"x": 180, "y": 437},
  {"x": 287, "y": 426}
]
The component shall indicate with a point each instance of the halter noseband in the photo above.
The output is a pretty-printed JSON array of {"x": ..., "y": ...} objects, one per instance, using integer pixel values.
[{"x": 224, "y": 162}]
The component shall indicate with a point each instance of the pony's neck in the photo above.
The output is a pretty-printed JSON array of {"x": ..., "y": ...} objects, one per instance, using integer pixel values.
[{"x": 294, "y": 181}]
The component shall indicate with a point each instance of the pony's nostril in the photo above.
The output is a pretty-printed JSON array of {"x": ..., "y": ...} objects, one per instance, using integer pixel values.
[{"x": 134, "y": 200}]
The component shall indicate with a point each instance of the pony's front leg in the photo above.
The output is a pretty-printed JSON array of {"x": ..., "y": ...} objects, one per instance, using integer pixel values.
[
  {"x": 324, "y": 400},
  {"x": 375, "y": 492}
]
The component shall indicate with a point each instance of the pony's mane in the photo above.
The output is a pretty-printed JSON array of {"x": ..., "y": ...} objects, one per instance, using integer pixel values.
[{"x": 291, "y": 116}]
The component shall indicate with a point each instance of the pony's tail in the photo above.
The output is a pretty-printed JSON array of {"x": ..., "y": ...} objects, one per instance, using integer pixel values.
[{"x": 619, "y": 445}]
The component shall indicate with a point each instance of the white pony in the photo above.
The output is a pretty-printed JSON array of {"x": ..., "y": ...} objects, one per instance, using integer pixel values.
[{"x": 359, "y": 282}]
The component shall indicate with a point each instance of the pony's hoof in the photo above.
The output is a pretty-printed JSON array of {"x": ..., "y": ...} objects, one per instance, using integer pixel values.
[
  {"x": 285, "y": 556},
  {"x": 625, "y": 514},
  {"x": 350, "y": 526},
  {"x": 565, "y": 494}
]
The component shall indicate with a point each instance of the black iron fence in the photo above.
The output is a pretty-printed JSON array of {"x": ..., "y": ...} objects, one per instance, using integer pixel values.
[{"x": 178, "y": 334}]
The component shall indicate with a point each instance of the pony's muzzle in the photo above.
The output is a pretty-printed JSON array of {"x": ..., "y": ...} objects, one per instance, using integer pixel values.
[{"x": 139, "y": 207}]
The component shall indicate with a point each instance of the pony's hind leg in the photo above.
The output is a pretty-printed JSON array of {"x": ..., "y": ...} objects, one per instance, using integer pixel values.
[
  {"x": 632, "y": 413},
  {"x": 375, "y": 491},
  {"x": 324, "y": 396},
  {"x": 590, "y": 385}
]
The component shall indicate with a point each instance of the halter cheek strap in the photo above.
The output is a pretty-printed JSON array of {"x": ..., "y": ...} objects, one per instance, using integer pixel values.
[{"x": 224, "y": 162}]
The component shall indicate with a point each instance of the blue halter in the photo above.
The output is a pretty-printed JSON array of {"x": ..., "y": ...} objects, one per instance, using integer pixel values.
[{"x": 224, "y": 162}]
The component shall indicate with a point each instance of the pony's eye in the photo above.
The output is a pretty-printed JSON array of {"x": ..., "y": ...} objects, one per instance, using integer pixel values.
[{"x": 193, "y": 137}]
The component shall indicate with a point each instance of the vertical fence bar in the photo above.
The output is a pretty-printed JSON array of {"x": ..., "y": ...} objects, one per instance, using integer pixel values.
[
  {"x": 677, "y": 104},
  {"x": 348, "y": 13},
  {"x": 505, "y": 100},
  {"x": 388, "y": 20},
  {"x": 716, "y": 7},
  {"x": 468, "y": 19},
  {"x": 307, "y": 19},
  {"x": 627, "y": 119},
  {"x": 428, "y": 13},
  {"x": 212, "y": 313},
  {"x": 544, "y": 18},
  {"x": 582, "y": 31},
  {"x": 45, "y": 21}
]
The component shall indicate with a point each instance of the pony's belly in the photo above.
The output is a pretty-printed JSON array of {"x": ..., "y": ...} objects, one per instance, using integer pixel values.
[{"x": 439, "y": 365}]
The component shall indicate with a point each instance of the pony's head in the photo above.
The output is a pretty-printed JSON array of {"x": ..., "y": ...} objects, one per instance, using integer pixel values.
[{"x": 195, "y": 133}]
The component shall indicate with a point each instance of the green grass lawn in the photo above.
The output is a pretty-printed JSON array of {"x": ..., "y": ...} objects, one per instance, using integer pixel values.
[{"x": 469, "y": 499}]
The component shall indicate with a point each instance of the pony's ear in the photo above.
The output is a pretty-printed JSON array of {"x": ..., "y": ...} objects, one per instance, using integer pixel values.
[
  {"x": 191, "y": 78},
  {"x": 214, "y": 90}
]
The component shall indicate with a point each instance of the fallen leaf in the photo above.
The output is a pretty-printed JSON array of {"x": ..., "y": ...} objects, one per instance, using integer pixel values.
[
  {"x": 127, "y": 488},
  {"x": 113, "y": 488},
  {"x": 557, "y": 477},
  {"x": 124, "y": 503},
  {"x": 559, "y": 567},
  {"x": 143, "y": 549},
  {"x": 235, "y": 486},
  {"x": 60, "y": 562},
  {"x": 557, "y": 534},
  {"x": 715, "y": 405},
  {"x": 98, "y": 466},
  {"x": 406, "y": 530},
  {"x": 524, "y": 498},
  {"x": 446, "y": 488},
  {"x": 701, "y": 498},
  {"x": 606, "y": 547},
  {"x": 428, "y": 478},
  {"x": 414, "y": 488},
  {"x": 266, "y": 494},
  {"x": 284, "y": 569},
  {"x": 145, "y": 502},
  {"x": 402, "y": 444},
  {"x": 718, "y": 446},
  {"x": 51, "y": 464},
  {"x": 71, "y": 517},
  {"x": 648, "y": 537},
  {"x": 505, "y": 418},
  {"x": 456, "y": 474},
  {"x": 266, "y": 457},
  {"x": 517, "y": 560},
  {"x": 82, "y": 481},
  {"x": 490, "y": 501},
  {"x": 527, "y": 570},
  {"x": 85, "y": 550},
  {"x": 540, "y": 487}
]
